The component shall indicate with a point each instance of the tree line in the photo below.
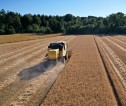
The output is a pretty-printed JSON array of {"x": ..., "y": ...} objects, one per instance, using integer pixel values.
[{"x": 11, "y": 23}]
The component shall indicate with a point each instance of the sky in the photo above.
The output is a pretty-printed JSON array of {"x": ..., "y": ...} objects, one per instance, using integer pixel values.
[{"x": 81, "y": 8}]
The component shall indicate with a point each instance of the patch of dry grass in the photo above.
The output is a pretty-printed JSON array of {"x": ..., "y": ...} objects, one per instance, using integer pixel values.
[{"x": 23, "y": 37}]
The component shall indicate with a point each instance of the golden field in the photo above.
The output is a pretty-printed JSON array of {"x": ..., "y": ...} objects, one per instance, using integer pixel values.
[{"x": 23, "y": 37}]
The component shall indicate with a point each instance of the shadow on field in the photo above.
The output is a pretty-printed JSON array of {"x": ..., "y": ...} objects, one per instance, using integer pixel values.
[
  {"x": 101, "y": 35},
  {"x": 34, "y": 71}
]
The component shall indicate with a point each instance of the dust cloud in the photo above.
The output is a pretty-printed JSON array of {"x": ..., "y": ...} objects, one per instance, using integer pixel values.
[{"x": 36, "y": 70}]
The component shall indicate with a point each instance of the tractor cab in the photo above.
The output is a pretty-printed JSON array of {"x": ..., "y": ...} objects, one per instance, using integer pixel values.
[
  {"x": 57, "y": 50},
  {"x": 58, "y": 45}
]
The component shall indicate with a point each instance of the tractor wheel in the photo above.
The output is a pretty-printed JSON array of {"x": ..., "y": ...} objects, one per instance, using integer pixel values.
[
  {"x": 56, "y": 61},
  {"x": 66, "y": 57},
  {"x": 63, "y": 60}
]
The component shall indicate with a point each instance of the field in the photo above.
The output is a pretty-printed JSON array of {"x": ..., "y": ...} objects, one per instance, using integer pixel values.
[
  {"x": 95, "y": 74},
  {"x": 23, "y": 37}
]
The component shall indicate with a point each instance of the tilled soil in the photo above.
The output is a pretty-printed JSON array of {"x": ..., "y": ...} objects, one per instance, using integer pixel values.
[
  {"x": 24, "y": 71},
  {"x": 83, "y": 81}
]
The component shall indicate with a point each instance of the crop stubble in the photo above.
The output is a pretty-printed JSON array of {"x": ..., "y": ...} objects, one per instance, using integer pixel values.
[
  {"x": 84, "y": 80},
  {"x": 11, "y": 86},
  {"x": 24, "y": 37},
  {"x": 116, "y": 69}
]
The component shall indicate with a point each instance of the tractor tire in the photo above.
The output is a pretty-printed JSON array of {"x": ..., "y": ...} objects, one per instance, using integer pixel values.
[
  {"x": 63, "y": 60},
  {"x": 56, "y": 61},
  {"x": 66, "y": 57}
]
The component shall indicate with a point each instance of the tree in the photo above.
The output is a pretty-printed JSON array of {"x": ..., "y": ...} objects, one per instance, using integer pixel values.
[
  {"x": 54, "y": 25},
  {"x": 2, "y": 29},
  {"x": 11, "y": 22},
  {"x": 36, "y": 28},
  {"x": 68, "y": 17},
  {"x": 48, "y": 30},
  {"x": 26, "y": 21},
  {"x": 10, "y": 30},
  {"x": 36, "y": 20},
  {"x": 2, "y": 22}
]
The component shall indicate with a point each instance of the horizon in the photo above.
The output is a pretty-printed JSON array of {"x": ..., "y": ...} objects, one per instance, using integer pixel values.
[{"x": 76, "y": 8}]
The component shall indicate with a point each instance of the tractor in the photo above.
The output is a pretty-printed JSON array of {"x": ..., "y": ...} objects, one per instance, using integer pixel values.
[{"x": 58, "y": 51}]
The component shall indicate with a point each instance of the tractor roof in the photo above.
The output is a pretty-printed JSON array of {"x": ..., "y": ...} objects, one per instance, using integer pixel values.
[
  {"x": 58, "y": 42},
  {"x": 61, "y": 42}
]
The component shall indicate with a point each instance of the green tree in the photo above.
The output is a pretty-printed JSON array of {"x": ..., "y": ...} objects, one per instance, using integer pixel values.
[
  {"x": 36, "y": 28},
  {"x": 2, "y": 21},
  {"x": 10, "y": 30},
  {"x": 37, "y": 20},
  {"x": 26, "y": 21},
  {"x": 68, "y": 17}
]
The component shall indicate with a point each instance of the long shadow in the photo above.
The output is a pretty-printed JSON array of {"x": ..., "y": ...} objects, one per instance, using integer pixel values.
[
  {"x": 34, "y": 71},
  {"x": 101, "y": 35}
]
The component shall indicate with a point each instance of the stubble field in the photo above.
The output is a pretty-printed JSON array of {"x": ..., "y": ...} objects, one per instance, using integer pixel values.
[{"x": 95, "y": 74}]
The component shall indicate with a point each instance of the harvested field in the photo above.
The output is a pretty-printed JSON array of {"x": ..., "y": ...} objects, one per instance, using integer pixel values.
[
  {"x": 119, "y": 37},
  {"x": 23, "y": 37},
  {"x": 116, "y": 69},
  {"x": 84, "y": 80},
  {"x": 95, "y": 74},
  {"x": 23, "y": 68}
]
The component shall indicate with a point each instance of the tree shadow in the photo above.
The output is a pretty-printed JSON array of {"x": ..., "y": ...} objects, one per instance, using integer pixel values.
[
  {"x": 34, "y": 71},
  {"x": 101, "y": 35}
]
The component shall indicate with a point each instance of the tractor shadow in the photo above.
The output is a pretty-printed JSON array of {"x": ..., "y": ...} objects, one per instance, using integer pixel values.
[{"x": 36, "y": 70}]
